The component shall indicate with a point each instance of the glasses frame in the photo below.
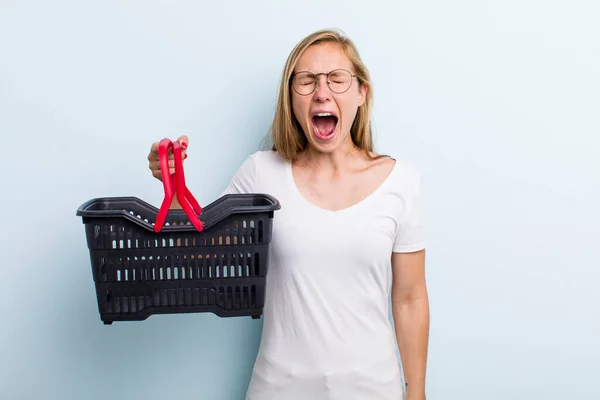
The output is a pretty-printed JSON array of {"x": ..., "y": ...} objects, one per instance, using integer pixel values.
[{"x": 317, "y": 80}]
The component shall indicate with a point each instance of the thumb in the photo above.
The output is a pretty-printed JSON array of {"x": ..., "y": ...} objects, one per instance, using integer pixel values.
[{"x": 184, "y": 141}]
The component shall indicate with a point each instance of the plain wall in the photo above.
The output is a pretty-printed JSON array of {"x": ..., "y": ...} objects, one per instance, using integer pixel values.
[{"x": 497, "y": 103}]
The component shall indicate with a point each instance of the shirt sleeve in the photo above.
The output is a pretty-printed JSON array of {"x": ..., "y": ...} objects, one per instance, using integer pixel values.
[
  {"x": 244, "y": 179},
  {"x": 410, "y": 233}
]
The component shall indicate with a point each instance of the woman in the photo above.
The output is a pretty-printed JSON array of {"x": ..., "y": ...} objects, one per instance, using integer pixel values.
[{"x": 350, "y": 226}]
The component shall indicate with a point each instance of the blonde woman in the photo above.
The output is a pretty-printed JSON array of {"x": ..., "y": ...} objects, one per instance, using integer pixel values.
[{"x": 350, "y": 228}]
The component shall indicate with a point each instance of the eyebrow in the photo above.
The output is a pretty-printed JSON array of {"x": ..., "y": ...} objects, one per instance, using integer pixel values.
[{"x": 312, "y": 72}]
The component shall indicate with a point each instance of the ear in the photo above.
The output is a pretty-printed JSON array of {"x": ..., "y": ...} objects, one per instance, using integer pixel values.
[{"x": 362, "y": 94}]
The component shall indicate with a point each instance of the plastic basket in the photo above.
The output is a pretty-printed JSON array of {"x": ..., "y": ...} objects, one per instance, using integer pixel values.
[{"x": 158, "y": 261}]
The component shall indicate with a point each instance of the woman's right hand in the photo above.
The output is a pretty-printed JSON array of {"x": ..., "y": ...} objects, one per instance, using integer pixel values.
[{"x": 154, "y": 163}]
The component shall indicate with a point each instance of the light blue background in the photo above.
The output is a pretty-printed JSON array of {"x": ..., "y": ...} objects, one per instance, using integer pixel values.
[{"x": 497, "y": 103}]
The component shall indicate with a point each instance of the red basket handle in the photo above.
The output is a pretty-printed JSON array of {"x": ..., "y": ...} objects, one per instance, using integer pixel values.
[{"x": 175, "y": 185}]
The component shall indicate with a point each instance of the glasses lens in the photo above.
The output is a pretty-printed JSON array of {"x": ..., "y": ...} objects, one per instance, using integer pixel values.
[
  {"x": 304, "y": 82},
  {"x": 339, "y": 80}
]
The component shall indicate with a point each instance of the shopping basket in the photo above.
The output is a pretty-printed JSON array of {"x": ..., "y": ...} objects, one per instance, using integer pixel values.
[{"x": 164, "y": 261}]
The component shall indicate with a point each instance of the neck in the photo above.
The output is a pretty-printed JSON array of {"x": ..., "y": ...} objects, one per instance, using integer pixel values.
[{"x": 335, "y": 162}]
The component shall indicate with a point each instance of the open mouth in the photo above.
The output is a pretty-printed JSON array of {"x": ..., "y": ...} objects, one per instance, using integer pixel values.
[{"x": 324, "y": 125}]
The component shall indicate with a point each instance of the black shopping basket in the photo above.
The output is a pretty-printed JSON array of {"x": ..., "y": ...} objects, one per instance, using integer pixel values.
[{"x": 163, "y": 261}]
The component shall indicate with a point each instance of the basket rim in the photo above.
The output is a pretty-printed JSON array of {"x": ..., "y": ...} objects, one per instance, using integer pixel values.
[{"x": 212, "y": 214}]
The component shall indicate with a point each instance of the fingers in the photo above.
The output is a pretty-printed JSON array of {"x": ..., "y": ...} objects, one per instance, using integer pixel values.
[
  {"x": 155, "y": 165},
  {"x": 153, "y": 155},
  {"x": 184, "y": 140},
  {"x": 153, "y": 159}
]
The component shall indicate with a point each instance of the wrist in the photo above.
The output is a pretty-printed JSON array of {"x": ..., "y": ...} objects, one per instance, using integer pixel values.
[{"x": 414, "y": 393}]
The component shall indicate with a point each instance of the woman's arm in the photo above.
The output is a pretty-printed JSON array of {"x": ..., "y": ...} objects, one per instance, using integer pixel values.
[{"x": 410, "y": 309}]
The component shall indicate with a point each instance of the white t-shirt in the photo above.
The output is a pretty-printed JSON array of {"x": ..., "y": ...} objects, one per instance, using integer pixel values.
[{"x": 326, "y": 332}]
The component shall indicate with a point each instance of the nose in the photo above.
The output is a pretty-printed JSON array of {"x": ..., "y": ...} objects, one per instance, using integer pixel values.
[{"x": 322, "y": 92}]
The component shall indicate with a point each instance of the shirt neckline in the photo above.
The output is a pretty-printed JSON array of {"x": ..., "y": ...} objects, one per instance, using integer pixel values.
[{"x": 360, "y": 203}]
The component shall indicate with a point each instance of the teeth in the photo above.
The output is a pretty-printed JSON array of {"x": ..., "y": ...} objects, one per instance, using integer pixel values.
[{"x": 324, "y": 115}]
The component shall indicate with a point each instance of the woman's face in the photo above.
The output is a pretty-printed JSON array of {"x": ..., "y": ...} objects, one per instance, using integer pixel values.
[{"x": 326, "y": 116}]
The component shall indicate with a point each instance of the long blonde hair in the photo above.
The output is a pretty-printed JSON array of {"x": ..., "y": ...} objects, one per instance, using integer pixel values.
[{"x": 286, "y": 134}]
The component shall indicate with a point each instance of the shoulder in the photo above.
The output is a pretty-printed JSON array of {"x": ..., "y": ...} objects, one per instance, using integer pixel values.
[
  {"x": 259, "y": 160},
  {"x": 266, "y": 164},
  {"x": 406, "y": 178},
  {"x": 407, "y": 171},
  {"x": 258, "y": 169},
  {"x": 267, "y": 158},
  {"x": 407, "y": 190},
  {"x": 399, "y": 170}
]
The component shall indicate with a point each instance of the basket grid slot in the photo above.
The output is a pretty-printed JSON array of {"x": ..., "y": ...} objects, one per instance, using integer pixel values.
[
  {"x": 186, "y": 267},
  {"x": 124, "y": 301},
  {"x": 117, "y": 236}
]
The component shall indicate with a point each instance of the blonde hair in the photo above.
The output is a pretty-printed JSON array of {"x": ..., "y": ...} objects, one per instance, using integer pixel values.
[{"x": 286, "y": 134}]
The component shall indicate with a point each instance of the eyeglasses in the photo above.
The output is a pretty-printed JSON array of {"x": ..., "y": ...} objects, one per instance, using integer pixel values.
[{"x": 338, "y": 80}]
